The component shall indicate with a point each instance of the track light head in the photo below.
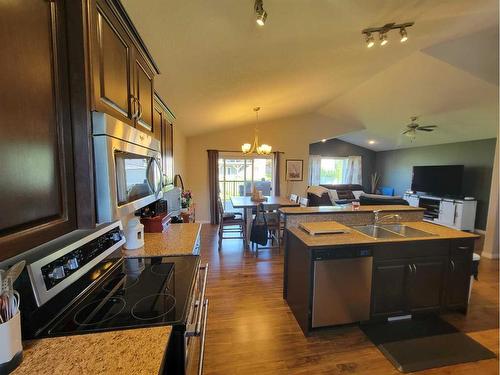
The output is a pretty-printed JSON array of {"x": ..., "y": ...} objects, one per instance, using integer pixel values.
[
  {"x": 370, "y": 42},
  {"x": 404, "y": 35},
  {"x": 260, "y": 13},
  {"x": 383, "y": 38}
]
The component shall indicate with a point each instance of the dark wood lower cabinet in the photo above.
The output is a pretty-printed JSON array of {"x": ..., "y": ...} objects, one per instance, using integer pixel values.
[
  {"x": 420, "y": 284},
  {"x": 389, "y": 287},
  {"x": 426, "y": 283},
  {"x": 458, "y": 281}
]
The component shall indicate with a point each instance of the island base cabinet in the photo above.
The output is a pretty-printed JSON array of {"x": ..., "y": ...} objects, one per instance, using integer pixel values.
[
  {"x": 458, "y": 274},
  {"x": 408, "y": 286},
  {"x": 389, "y": 287},
  {"x": 426, "y": 284}
]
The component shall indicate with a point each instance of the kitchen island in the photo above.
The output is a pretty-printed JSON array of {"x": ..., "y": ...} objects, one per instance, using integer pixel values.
[
  {"x": 375, "y": 278},
  {"x": 347, "y": 214}
]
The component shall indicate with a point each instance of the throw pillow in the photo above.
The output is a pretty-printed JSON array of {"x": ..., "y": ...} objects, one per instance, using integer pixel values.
[
  {"x": 317, "y": 190},
  {"x": 357, "y": 193},
  {"x": 333, "y": 195}
]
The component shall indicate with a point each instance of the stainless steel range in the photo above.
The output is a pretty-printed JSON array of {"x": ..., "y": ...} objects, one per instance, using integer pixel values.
[{"x": 88, "y": 286}]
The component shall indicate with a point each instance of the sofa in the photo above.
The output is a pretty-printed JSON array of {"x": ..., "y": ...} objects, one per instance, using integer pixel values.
[{"x": 345, "y": 193}]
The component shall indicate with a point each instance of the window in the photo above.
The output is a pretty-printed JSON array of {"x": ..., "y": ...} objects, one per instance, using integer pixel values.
[
  {"x": 334, "y": 170},
  {"x": 236, "y": 175}
]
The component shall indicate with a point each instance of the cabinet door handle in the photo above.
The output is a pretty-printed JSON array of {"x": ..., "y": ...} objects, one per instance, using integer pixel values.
[
  {"x": 139, "y": 116},
  {"x": 452, "y": 265},
  {"x": 463, "y": 248},
  {"x": 136, "y": 111},
  {"x": 414, "y": 268},
  {"x": 409, "y": 266}
]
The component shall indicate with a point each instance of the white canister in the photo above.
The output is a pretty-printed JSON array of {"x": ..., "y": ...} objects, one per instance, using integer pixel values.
[
  {"x": 134, "y": 234},
  {"x": 11, "y": 347}
]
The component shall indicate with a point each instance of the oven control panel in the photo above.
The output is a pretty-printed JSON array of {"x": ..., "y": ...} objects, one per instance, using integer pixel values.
[
  {"x": 61, "y": 268},
  {"x": 55, "y": 272}
]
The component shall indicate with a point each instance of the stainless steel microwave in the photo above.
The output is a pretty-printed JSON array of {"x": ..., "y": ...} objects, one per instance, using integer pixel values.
[{"x": 128, "y": 172}]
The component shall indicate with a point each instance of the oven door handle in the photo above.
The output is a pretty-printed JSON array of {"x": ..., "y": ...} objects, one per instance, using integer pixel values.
[
  {"x": 200, "y": 307},
  {"x": 202, "y": 344},
  {"x": 202, "y": 299}
]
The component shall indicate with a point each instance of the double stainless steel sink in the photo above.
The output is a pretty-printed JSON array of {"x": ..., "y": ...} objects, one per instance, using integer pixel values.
[{"x": 390, "y": 231}]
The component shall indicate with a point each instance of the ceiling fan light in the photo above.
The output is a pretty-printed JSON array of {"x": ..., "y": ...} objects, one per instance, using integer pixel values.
[{"x": 404, "y": 35}]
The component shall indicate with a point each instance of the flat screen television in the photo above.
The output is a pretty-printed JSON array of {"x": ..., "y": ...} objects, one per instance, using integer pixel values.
[{"x": 441, "y": 180}]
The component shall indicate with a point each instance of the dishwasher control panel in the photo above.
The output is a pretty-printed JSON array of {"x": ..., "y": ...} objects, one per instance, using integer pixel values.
[{"x": 342, "y": 253}]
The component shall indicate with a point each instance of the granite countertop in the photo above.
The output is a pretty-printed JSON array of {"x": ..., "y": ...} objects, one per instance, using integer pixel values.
[
  {"x": 346, "y": 209},
  {"x": 177, "y": 239},
  {"x": 355, "y": 237},
  {"x": 132, "y": 351}
]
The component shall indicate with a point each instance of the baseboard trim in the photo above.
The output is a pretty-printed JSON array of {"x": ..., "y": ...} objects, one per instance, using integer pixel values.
[{"x": 490, "y": 255}]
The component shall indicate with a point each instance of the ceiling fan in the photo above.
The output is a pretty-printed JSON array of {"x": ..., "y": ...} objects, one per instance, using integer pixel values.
[{"x": 412, "y": 128}]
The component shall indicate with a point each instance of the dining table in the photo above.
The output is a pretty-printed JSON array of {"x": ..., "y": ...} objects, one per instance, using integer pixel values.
[{"x": 248, "y": 205}]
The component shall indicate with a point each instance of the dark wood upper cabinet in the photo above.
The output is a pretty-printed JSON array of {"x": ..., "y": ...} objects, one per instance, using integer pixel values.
[
  {"x": 111, "y": 65},
  {"x": 122, "y": 72},
  {"x": 168, "y": 152},
  {"x": 63, "y": 59},
  {"x": 38, "y": 193},
  {"x": 164, "y": 130},
  {"x": 144, "y": 90}
]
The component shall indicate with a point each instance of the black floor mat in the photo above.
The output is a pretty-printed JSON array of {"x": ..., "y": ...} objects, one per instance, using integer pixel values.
[{"x": 424, "y": 343}]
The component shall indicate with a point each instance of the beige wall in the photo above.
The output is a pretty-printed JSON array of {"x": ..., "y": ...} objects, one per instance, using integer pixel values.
[
  {"x": 491, "y": 241},
  {"x": 289, "y": 135}
]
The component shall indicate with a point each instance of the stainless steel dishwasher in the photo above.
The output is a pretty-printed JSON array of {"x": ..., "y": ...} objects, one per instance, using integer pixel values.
[{"x": 342, "y": 286}]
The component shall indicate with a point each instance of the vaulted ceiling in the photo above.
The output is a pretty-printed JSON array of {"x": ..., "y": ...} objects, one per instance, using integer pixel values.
[{"x": 217, "y": 64}]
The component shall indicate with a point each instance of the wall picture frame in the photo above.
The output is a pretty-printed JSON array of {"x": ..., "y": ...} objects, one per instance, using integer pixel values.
[{"x": 294, "y": 170}]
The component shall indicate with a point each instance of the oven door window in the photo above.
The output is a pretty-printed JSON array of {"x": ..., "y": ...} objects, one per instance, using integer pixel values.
[{"x": 137, "y": 176}]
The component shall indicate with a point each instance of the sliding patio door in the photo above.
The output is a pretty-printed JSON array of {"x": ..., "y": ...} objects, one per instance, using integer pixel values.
[{"x": 237, "y": 174}]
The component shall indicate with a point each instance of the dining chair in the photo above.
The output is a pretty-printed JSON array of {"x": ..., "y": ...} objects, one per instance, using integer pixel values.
[
  {"x": 303, "y": 202},
  {"x": 294, "y": 197},
  {"x": 230, "y": 222}
]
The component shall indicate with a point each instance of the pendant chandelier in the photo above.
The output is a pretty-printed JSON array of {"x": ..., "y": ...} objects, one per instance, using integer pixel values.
[{"x": 248, "y": 148}]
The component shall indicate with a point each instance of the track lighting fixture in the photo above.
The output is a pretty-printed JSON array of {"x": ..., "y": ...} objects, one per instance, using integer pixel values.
[
  {"x": 383, "y": 39},
  {"x": 383, "y": 32},
  {"x": 404, "y": 34},
  {"x": 370, "y": 42},
  {"x": 260, "y": 13}
]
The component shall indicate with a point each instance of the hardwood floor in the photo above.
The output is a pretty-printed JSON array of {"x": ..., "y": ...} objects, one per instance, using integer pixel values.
[{"x": 252, "y": 331}]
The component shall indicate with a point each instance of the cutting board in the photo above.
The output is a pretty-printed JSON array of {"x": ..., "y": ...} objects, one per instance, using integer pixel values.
[{"x": 324, "y": 227}]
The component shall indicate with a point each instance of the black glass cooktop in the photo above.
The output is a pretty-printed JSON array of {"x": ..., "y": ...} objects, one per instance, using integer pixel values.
[{"x": 139, "y": 292}]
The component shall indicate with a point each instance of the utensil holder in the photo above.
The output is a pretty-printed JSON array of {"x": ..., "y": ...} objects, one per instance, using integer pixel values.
[{"x": 11, "y": 347}]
